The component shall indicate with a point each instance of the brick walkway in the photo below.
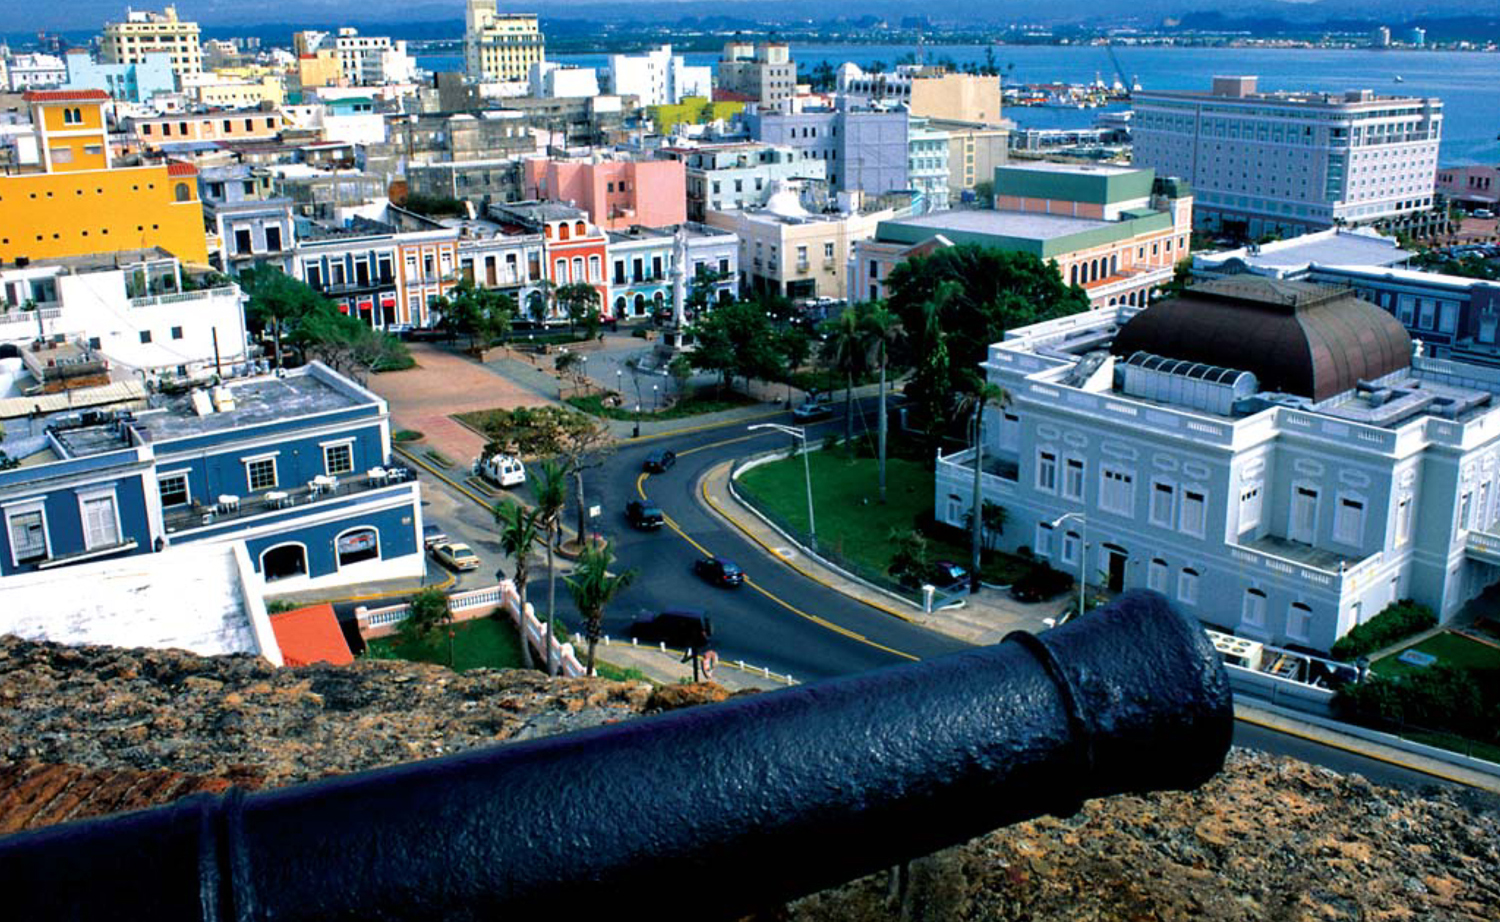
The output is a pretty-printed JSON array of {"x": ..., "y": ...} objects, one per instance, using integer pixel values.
[{"x": 423, "y": 398}]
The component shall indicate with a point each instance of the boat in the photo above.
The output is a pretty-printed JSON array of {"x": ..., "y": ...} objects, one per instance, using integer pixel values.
[{"x": 1400, "y": 79}]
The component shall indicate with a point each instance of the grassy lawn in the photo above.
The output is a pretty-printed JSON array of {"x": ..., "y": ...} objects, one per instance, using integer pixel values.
[
  {"x": 703, "y": 400},
  {"x": 851, "y": 522},
  {"x": 1454, "y": 649},
  {"x": 481, "y": 643}
]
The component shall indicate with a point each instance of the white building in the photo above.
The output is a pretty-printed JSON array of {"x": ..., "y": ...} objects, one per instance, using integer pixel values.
[
  {"x": 658, "y": 77},
  {"x": 927, "y": 164},
  {"x": 136, "y": 309},
  {"x": 1273, "y": 456},
  {"x": 1286, "y": 163},
  {"x": 366, "y": 60},
  {"x": 551, "y": 80},
  {"x": 145, "y": 31},
  {"x": 34, "y": 71}
]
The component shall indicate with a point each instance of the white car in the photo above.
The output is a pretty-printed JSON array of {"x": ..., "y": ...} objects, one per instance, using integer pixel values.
[{"x": 503, "y": 470}]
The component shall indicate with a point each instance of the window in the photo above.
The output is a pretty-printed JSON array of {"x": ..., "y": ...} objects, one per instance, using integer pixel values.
[
  {"x": 1116, "y": 491},
  {"x": 1253, "y": 608},
  {"x": 145, "y": 336},
  {"x": 1043, "y": 539},
  {"x": 1250, "y": 506},
  {"x": 828, "y": 251},
  {"x": 261, "y": 473},
  {"x": 338, "y": 459},
  {"x": 1072, "y": 547},
  {"x": 1163, "y": 503},
  {"x": 359, "y": 544},
  {"x": 1403, "y": 520},
  {"x": 1073, "y": 479},
  {"x": 1193, "y": 517},
  {"x": 101, "y": 524},
  {"x": 28, "y": 534},
  {"x": 1046, "y": 471},
  {"x": 1349, "y": 521},
  {"x": 1156, "y": 576},
  {"x": 177, "y": 332},
  {"x": 174, "y": 490},
  {"x": 1465, "y": 509},
  {"x": 1187, "y": 586},
  {"x": 1298, "y": 621}
]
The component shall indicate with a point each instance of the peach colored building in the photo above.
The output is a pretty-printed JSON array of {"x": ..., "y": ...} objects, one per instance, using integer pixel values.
[{"x": 617, "y": 194}]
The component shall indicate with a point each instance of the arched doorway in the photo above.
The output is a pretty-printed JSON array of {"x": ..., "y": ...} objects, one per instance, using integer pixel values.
[
  {"x": 357, "y": 544},
  {"x": 283, "y": 562}
]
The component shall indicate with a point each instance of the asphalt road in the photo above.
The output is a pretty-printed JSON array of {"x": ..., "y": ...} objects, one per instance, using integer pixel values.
[{"x": 778, "y": 619}]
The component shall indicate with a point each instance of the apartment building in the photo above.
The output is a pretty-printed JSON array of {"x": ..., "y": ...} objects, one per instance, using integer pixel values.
[
  {"x": 927, "y": 163},
  {"x": 761, "y": 73},
  {"x": 76, "y": 202},
  {"x": 1274, "y": 456},
  {"x": 1286, "y": 163},
  {"x": 974, "y": 152},
  {"x": 642, "y": 261},
  {"x": 863, "y": 150},
  {"x": 143, "y": 32},
  {"x": 616, "y": 193},
  {"x": 34, "y": 71},
  {"x": 355, "y": 267},
  {"x": 658, "y": 77},
  {"x": 500, "y": 47},
  {"x": 478, "y": 181},
  {"x": 727, "y": 177},
  {"x": 155, "y": 132},
  {"x": 1475, "y": 186},
  {"x": 247, "y": 216},
  {"x": 1117, "y": 232},
  {"x": 135, "y": 83},
  {"x": 574, "y": 250},
  {"x": 926, "y": 91},
  {"x": 367, "y": 60},
  {"x": 551, "y": 80}
]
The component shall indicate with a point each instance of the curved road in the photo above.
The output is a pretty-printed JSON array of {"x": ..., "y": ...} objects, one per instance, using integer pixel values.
[{"x": 780, "y": 619}]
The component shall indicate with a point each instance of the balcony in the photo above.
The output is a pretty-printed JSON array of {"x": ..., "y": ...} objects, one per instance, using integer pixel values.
[
  {"x": 1483, "y": 546},
  {"x": 182, "y": 297},
  {"x": 997, "y": 476},
  {"x": 199, "y": 515}
]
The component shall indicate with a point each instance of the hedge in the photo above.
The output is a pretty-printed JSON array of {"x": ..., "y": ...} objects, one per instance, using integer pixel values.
[{"x": 1396, "y": 621}]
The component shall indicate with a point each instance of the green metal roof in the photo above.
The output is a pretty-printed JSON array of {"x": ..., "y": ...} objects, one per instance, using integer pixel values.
[{"x": 1105, "y": 187}]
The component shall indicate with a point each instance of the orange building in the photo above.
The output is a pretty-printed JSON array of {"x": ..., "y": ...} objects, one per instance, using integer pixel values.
[{"x": 76, "y": 203}]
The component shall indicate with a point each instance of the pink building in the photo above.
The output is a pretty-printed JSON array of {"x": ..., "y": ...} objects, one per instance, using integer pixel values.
[
  {"x": 616, "y": 193},
  {"x": 1472, "y": 186}
]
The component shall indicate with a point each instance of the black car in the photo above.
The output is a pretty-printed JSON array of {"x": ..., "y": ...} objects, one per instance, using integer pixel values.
[
  {"x": 1041, "y": 584},
  {"x": 719, "y": 571},
  {"x": 658, "y": 461},
  {"x": 643, "y": 514},
  {"x": 679, "y": 627}
]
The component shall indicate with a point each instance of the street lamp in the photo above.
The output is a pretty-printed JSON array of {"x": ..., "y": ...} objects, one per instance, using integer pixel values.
[
  {"x": 655, "y": 403},
  {"x": 619, "y": 382},
  {"x": 1083, "y": 549},
  {"x": 798, "y": 432},
  {"x": 976, "y": 526},
  {"x": 637, "y": 433}
]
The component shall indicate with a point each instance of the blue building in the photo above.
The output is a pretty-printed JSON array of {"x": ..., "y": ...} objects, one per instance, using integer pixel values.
[
  {"x": 123, "y": 82},
  {"x": 292, "y": 467},
  {"x": 862, "y": 149}
]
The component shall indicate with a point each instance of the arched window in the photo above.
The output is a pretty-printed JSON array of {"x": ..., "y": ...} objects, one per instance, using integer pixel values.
[
  {"x": 357, "y": 544},
  {"x": 183, "y": 193},
  {"x": 620, "y": 305},
  {"x": 283, "y": 562},
  {"x": 562, "y": 232},
  {"x": 580, "y": 229}
]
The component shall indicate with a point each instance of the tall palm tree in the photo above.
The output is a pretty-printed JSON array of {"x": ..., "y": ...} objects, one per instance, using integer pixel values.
[
  {"x": 985, "y": 395},
  {"x": 519, "y": 529},
  {"x": 845, "y": 351},
  {"x": 550, "y": 488},
  {"x": 593, "y": 588},
  {"x": 883, "y": 330}
]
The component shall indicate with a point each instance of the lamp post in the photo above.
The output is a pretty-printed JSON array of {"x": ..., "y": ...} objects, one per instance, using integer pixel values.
[
  {"x": 977, "y": 523},
  {"x": 620, "y": 382},
  {"x": 1083, "y": 550},
  {"x": 637, "y": 433},
  {"x": 798, "y": 432},
  {"x": 655, "y": 403}
]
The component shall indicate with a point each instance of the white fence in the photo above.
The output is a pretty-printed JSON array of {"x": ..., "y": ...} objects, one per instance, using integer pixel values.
[{"x": 476, "y": 603}]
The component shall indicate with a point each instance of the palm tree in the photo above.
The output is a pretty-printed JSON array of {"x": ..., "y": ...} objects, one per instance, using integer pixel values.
[
  {"x": 985, "y": 395},
  {"x": 519, "y": 529},
  {"x": 845, "y": 351},
  {"x": 550, "y": 490},
  {"x": 883, "y": 330},
  {"x": 593, "y": 588}
]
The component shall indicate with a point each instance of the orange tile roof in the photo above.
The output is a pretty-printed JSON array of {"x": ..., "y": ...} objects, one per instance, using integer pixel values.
[
  {"x": 311, "y": 635},
  {"x": 65, "y": 95},
  {"x": 178, "y": 168}
]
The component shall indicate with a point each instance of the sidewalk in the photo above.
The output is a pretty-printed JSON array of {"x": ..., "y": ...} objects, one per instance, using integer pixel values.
[
  {"x": 983, "y": 619},
  {"x": 668, "y": 668}
]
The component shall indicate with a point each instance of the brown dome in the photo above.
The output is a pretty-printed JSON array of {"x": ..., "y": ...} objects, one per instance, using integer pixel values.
[{"x": 1296, "y": 337}]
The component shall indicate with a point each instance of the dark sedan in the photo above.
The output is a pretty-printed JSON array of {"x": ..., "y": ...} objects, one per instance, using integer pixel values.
[
  {"x": 643, "y": 514},
  {"x": 658, "y": 461},
  {"x": 719, "y": 571}
]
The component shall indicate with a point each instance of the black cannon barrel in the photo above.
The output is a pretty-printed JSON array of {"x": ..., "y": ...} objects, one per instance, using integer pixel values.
[{"x": 714, "y": 811}]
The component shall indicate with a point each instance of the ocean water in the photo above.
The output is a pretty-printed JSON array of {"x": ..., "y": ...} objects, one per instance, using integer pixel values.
[{"x": 1468, "y": 83}]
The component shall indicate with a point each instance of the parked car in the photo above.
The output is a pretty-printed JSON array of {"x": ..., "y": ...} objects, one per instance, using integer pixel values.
[
  {"x": 1483, "y": 213},
  {"x": 679, "y": 627},
  {"x": 719, "y": 571},
  {"x": 812, "y": 412},
  {"x": 948, "y": 575},
  {"x": 456, "y": 555},
  {"x": 658, "y": 461},
  {"x": 1041, "y": 584},
  {"x": 432, "y": 536},
  {"x": 643, "y": 514},
  {"x": 504, "y": 470}
]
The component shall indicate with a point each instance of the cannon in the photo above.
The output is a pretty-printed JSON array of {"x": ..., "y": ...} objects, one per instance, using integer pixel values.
[{"x": 726, "y": 808}]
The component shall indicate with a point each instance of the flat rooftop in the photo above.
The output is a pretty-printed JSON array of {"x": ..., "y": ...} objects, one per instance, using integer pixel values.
[
  {"x": 1050, "y": 166},
  {"x": 1031, "y": 225},
  {"x": 1326, "y": 248},
  {"x": 256, "y": 401}
]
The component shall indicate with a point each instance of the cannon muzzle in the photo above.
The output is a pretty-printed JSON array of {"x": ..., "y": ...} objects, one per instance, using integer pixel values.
[{"x": 723, "y": 808}]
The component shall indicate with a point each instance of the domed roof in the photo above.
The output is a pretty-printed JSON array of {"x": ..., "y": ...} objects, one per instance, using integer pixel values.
[
  {"x": 783, "y": 201},
  {"x": 1296, "y": 337}
]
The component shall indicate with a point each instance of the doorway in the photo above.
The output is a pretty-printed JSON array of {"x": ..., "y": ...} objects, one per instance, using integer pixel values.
[{"x": 1117, "y": 561}]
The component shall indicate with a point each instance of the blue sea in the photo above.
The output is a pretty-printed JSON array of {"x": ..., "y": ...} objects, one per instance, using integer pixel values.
[{"x": 1468, "y": 83}]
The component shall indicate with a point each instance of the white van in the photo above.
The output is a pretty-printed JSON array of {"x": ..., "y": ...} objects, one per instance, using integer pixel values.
[{"x": 501, "y": 469}]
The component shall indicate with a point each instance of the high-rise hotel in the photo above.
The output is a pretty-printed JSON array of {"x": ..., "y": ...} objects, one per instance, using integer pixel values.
[
  {"x": 500, "y": 47},
  {"x": 1286, "y": 163}
]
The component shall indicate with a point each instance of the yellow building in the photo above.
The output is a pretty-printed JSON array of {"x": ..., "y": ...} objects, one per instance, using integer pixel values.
[
  {"x": 501, "y": 47},
  {"x": 223, "y": 91},
  {"x": 79, "y": 205},
  {"x": 319, "y": 68},
  {"x": 143, "y": 31}
]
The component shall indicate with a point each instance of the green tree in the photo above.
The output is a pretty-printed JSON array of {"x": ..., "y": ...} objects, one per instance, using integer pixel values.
[
  {"x": 277, "y": 301},
  {"x": 736, "y": 340},
  {"x": 984, "y": 191},
  {"x": 911, "y": 555},
  {"x": 540, "y": 299},
  {"x": 349, "y": 345},
  {"x": 519, "y": 529},
  {"x": 681, "y": 369},
  {"x": 580, "y": 301},
  {"x": 883, "y": 332},
  {"x": 550, "y": 490},
  {"x": 593, "y": 588},
  {"x": 847, "y": 351},
  {"x": 967, "y": 297},
  {"x": 429, "y": 613},
  {"x": 478, "y": 313},
  {"x": 795, "y": 347}
]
